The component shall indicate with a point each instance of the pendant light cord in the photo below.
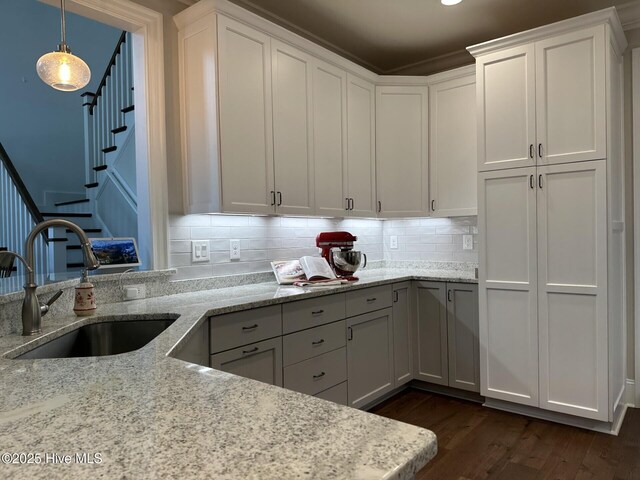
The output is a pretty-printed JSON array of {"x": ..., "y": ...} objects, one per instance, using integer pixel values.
[{"x": 63, "y": 27}]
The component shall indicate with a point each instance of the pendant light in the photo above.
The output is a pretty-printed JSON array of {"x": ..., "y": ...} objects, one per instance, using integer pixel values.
[{"x": 61, "y": 69}]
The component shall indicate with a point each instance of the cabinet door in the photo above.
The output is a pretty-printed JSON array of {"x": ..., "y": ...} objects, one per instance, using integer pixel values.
[
  {"x": 260, "y": 361},
  {"x": 430, "y": 360},
  {"x": 507, "y": 285},
  {"x": 402, "y": 151},
  {"x": 246, "y": 131},
  {"x": 453, "y": 148},
  {"x": 570, "y": 96},
  {"x": 292, "y": 129},
  {"x": 402, "y": 333},
  {"x": 329, "y": 138},
  {"x": 506, "y": 109},
  {"x": 361, "y": 147},
  {"x": 462, "y": 324},
  {"x": 572, "y": 291},
  {"x": 369, "y": 356}
]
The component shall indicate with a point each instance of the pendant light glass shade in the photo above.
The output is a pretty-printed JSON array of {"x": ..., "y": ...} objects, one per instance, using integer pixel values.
[{"x": 61, "y": 69}]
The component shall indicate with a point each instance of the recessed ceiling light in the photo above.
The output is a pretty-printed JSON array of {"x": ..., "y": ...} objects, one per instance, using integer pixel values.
[{"x": 448, "y": 3}]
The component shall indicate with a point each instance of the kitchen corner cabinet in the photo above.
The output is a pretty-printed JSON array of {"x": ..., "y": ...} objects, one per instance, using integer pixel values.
[
  {"x": 402, "y": 329},
  {"x": 402, "y": 155},
  {"x": 370, "y": 356},
  {"x": 543, "y": 102},
  {"x": 446, "y": 337},
  {"x": 452, "y": 143}
]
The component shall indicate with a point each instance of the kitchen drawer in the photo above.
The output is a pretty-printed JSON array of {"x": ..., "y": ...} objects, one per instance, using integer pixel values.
[
  {"x": 318, "y": 373},
  {"x": 313, "y": 342},
  {"x": 368, "y": 300},
  {"x": 312, "y": 312},
  {"x": 260, "y": 361},
  {"x": 241, "y": 328},
  {"x": 337, "y": 394}
]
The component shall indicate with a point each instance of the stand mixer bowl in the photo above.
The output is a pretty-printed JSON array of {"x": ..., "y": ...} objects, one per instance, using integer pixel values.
[{"x": 346, "y": 262}]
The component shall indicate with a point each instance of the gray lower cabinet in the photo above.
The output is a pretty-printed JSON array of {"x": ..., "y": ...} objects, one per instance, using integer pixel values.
[
  {"x": 338, "y": 394},
  {"x": 446, "y": 337},
  {"x": 260, "y": 361},
  {"x": 370, "y": 356},
  {"x": 403, "y": 370}
]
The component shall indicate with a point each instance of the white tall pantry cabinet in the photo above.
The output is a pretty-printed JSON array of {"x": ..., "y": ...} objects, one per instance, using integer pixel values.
[{"x": 550, "y": 218}]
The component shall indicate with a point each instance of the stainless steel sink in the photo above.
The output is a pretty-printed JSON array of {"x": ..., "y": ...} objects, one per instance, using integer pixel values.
[{"x": 99, "y": 339}]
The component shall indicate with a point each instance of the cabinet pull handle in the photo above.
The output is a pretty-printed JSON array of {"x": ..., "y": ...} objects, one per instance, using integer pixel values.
[
  {"x": 540, "y": 150},
  {"x": 395, "y": 296},
  {"x": 317, "y": 312},
  {"x": 254, "y": 349},
  {"x": 349, "y": 333},
  {"x": 255, "y": 325},
  {"x": 273, "y": 198},
  {"x": 379, "y": 206},
  {"x": 372, "y": 299},
  {"x": 352, "y": 203},
  {"x": 540, "y": 181},
  {"x": 531, "y": 184},
  {"x": 347, "y": 203},
  {"x": 433, "y": 205},
  {"x": 279, "y": 198},
  {"x": 448, "y": 295},
  {"x": 320, "y": 375},
  {"x": 531, "y": 151},
  {"x": 318, "y": 342}
]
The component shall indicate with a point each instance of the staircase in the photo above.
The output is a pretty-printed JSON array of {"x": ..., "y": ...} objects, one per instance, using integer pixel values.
[{"x": 109, "y": 208}]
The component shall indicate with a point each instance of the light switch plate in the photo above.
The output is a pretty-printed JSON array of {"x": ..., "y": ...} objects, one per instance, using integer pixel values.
[
  {"x": 234, "y": 249},
  {"x": 393, "y": 242},
  {"x": 200, "y": 251},
  {"x": 467, "y": 242}
]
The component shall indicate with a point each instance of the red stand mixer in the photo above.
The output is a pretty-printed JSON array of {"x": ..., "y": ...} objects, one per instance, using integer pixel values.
[{"x": 337, "y": 250}]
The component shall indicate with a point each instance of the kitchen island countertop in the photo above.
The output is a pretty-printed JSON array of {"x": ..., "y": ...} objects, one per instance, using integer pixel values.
[{"x": 150, "y": 415}]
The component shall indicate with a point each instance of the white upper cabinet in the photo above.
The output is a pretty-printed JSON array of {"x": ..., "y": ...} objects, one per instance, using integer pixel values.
[
  {"x": 292, "y": 130},
  {"x": 452, "y": 144},
  {"x": 361, "y": 147},
  {"x": 402, "y": 150},
  {"x": 246, "y": 148},
  {"x": 329, "y": 138},
  {"x": 571, "y": 97},
  {"x": 543, "y": 102},
  {"x": 506, "y": 118}
]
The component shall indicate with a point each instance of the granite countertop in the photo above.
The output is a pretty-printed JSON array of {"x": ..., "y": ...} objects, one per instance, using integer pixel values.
[{"x": 151, "y": 415}]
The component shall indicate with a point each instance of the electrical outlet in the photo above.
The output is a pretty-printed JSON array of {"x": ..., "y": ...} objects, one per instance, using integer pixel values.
[
  {"x": 393, "y": 242},
  {"x": 234, "y": 249},
  {"x": 135, "y": 292},
  {"x": 467, "y": 242},
  {"x": 200, "y": 251}
]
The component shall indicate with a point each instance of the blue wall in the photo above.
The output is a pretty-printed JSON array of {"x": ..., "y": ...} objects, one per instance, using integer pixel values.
[{"x": 42, "y": 129}]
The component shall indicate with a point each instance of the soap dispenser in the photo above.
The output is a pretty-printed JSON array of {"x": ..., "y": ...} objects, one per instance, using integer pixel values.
[{"x": 85, "y": 299}]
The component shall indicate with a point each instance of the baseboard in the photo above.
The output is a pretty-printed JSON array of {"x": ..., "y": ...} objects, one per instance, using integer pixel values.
[
  {"x": 611, "y": 428},
  {"x": 384, "y": 398},
  {"x": 629, "y": 397}
]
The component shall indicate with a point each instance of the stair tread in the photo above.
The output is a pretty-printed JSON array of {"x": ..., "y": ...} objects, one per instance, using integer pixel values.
[
  {"x": 72, "y": 202},
  {"x": 110, "y": 149},
  {"x": 130, "y": 108},
  {"x": 64, "y": 214},
  {"x": 75, "y": 265},
  {"x": 121, "y": 129},
  {"x": 91, "y": 185},
  {"x": 100, "y": 168},
  {"x": 73, "y": 247},
  {"x": 88, "y": 230},
  {"x": 58, "y": 239}
]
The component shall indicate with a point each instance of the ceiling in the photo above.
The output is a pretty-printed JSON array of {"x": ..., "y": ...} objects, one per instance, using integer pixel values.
[{"x": 414, "y": 36}]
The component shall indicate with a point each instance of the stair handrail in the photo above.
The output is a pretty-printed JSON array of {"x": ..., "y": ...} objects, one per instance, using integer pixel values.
[
  {"x": 114, "y": 56},
  {"x": 21, "y": 187}
]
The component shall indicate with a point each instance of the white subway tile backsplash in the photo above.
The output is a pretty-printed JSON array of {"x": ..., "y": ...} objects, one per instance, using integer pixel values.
[{"x": 263, "y": 239}]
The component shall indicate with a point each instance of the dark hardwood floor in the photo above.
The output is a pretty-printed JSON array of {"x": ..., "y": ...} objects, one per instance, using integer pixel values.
[{"x": 475, "y": 442}]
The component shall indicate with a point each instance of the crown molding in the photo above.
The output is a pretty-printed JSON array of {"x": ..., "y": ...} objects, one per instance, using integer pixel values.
[
  {"x": 434, "y": 64},
  {"x": 188, "y": 3},
  {"x": 607, "y": 15},
  {"x": 629, "y": 14}
]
